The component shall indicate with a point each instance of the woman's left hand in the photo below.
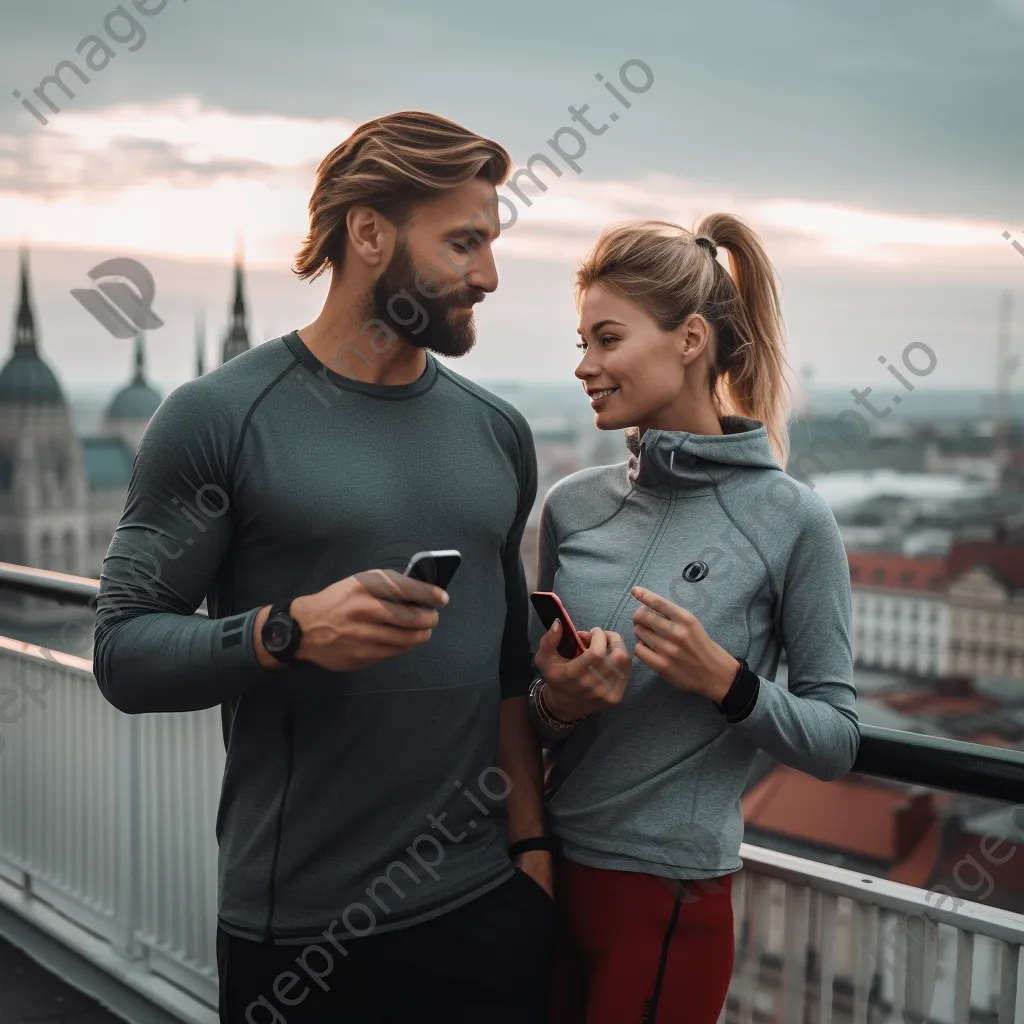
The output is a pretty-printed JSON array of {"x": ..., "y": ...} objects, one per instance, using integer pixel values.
[{"x": 672, "y": 642}]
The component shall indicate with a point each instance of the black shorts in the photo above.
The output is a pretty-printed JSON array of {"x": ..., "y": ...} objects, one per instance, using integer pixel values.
[{"x": 487, "y": 961}]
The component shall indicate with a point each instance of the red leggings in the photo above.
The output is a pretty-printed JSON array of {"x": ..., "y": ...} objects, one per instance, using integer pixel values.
[{"x": 633, "y": 951}]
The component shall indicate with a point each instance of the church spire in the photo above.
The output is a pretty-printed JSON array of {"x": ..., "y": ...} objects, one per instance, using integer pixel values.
[
  {"x": 25, "y": 321},
  {"x": 237, "y": 339},
  {"x": 140, "y": 359},
  {"x": 200, "y": 344}
]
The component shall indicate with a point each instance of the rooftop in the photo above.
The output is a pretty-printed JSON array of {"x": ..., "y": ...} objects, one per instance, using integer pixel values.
[
  {"x": 108, "y": 462},
  {"x": 32, "y": 995},
  {"x": 853, "y": 815},
  {"x": 95, "y": 881},
  {"x": 897, "y": 572}
]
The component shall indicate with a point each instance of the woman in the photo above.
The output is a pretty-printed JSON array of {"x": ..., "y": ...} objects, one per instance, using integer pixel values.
[{"x": 702, "y": 558}]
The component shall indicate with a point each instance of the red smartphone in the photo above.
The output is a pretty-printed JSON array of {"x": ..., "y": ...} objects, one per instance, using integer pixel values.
[{"x": 549, "y": 608}]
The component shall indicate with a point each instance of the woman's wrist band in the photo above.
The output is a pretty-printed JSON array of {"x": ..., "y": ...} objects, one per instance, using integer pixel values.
[
  {"x": 548, "y": 843},
  {"x": 742, "y": 695},
  {"x": 543, "y": 713}
]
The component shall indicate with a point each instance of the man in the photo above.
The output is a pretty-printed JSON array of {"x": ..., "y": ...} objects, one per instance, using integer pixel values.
[{"x": 381, "y": 773}]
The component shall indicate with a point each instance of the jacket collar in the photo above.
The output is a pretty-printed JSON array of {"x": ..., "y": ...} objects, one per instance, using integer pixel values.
[{"x": 676, "y": 458}]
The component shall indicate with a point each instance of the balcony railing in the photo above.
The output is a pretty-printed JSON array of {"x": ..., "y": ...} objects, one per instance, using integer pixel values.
[{"x": 107, "y": 850}]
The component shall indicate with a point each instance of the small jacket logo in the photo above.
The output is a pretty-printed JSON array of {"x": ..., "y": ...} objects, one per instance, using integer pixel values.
[
  {"x": 122, "y": 309},
  {"x": 695, "y": 572}
]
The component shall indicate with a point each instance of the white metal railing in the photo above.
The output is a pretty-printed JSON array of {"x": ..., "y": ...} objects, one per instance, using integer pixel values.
[
  {"x": 107, "y": 843},
  {"x": 824, "y": 944},
  {"x": 108, "y": 820}
]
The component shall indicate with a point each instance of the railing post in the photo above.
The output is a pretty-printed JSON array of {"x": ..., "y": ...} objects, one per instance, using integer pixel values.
[
  {"x": 129, "y": 768},
  {"x": 964, "y": 976},
  {"x": 1008, "y": 960}
]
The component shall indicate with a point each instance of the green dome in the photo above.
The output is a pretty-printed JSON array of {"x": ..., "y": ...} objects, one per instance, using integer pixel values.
[
  {"x": 135, "y": 401},
  {"x": 26, "y": 379}
]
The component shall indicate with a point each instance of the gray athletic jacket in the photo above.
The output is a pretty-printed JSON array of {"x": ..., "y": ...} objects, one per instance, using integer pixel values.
[{"x": 653, "y": 784}]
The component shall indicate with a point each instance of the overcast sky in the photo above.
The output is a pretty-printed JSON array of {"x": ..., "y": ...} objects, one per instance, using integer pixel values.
[{"x": 877, "y": 147}]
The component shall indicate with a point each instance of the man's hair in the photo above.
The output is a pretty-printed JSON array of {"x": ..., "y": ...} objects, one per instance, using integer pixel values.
[{"x": 390, "y": 163}]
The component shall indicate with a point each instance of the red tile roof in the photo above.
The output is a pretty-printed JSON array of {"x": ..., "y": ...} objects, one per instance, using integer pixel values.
[
  {"x": 1006, "y": 561},
  {"x": 853, "y": 814},
  {"x": 893, "y": 571},
  {"x": 989, "y": 851},
  {"x": 924, "y": 702},
  {"x": 918, "y": 868},
  {"x": 982, "y": 868}
]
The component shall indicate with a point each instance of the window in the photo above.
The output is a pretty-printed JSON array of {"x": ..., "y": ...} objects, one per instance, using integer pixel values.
[
  {"x": 878, "y": 575},
  {"x": 45, "y": 551},
  {"x": 70, "y": 551},
  {"x": 906, "y": 576}
]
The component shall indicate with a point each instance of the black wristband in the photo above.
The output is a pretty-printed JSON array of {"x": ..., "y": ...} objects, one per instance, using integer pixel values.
[
  {"x": 742, "y": 695},
  {"x": 548, "y": 843}
]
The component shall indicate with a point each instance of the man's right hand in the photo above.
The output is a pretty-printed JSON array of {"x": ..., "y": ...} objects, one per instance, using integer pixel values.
[
  {"x": 360, "y": 620},
  {"x": 590, "y": 682}
]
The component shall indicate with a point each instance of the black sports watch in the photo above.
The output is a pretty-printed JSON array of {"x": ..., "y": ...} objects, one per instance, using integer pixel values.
[{"x": 281, "y": 634}]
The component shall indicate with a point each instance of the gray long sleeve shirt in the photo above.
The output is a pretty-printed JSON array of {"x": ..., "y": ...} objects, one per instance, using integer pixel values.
[
  {"x": 654, "y": 784},
  {"x": 347, "y": 797}
]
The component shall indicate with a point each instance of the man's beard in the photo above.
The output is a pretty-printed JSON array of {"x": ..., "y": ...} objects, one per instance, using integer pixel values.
[{"x": 430, "y": 321}]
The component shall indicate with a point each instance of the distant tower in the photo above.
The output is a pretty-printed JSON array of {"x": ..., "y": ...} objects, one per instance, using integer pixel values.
[
  {"x": 1005, "y": 366},
  {"x": 200, "y": 344},
  {"x": 43, "y": 505},
  {"x": 237, "y": 339},
  {"x": 806, "y": 379},
  {"x": 132, "y": 408},
  {"x": 26, "y": 379}
]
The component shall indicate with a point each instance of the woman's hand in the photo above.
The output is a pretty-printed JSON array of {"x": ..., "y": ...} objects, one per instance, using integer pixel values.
[
  {"x": 672, "y": 642},
  {"x": 593, "y": 681}
]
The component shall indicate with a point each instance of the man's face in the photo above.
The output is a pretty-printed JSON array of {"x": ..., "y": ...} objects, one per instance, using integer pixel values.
[{"x": 441, "y": 266}]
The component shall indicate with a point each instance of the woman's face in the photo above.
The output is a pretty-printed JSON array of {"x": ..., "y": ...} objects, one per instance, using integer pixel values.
[{"x": 635, "y": 372}]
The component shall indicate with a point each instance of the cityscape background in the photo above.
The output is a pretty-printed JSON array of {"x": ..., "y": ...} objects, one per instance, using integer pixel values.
[
  {"x": 929, "y": 500},
  {"x": 872, "y": 146}
]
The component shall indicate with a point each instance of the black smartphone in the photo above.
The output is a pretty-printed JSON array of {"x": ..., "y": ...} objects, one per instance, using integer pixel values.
[
  {"x": 435, "y": 567},
  {"x": 549, "y": 608}
]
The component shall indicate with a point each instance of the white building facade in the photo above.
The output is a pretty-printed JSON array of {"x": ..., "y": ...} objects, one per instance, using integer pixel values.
[{"x": 961, "y": 616}]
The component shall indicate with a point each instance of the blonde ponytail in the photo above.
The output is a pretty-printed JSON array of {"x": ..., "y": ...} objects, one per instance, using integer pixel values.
[{"x": 661, "y": 266}]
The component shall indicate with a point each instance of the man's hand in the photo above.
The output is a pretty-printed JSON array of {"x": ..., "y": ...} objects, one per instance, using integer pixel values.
[
  {"x": 593, "y": 681},
  {"x": 360, "y": 620},
  {"x": 540, "y": 866}
]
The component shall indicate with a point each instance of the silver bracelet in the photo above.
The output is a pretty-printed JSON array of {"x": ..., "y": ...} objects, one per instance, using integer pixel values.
[{"x": 543, "y": 714}]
